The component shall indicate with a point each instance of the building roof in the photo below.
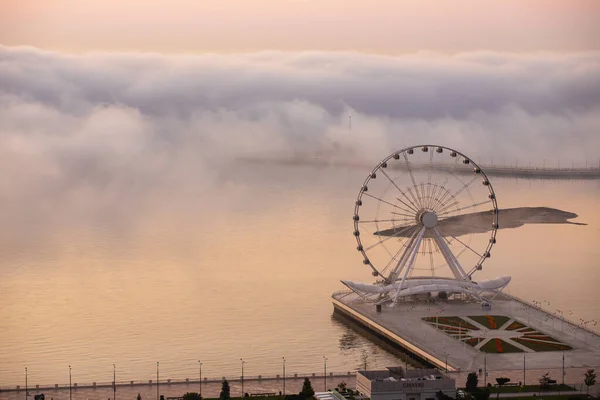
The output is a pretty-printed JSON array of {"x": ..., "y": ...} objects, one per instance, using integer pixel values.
[
  {"x": 399, "y": 373},
  {"x": 333, "y": 395}
]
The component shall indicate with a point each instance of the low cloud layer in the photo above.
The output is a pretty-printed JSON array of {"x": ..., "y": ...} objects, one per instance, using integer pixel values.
[{"x": 99, "y": 126}]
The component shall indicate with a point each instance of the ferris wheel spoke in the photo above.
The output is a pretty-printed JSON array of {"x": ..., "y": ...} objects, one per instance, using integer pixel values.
[
  {"x": 447, "y": 178},
  {"x": 400, "y": 190},
  {"x": 401, "y": 249},
  {"x": 384, "y": 201},
  {"x": 461, "y": 242},
  {"x": 436, "y": 194},
  {"x": 381, "y": 220},
  {"x": 463, "y": 208},
  {"x": 412, "y": 178},
  {"x": 404, "y": 215},
  {"x": 447, "y": 206},
  {"x": 425, "y": 197},
  {"x": 414, "y": 197},
  {"x": 395, "y": 235},
  {"x": 400, "y": 200},
  {"x": 459, "y": 191},
  {"x": 429, "y": 189}
]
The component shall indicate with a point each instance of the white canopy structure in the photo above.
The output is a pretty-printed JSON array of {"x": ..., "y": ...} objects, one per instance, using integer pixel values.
[{"x": 422, "y": 208}]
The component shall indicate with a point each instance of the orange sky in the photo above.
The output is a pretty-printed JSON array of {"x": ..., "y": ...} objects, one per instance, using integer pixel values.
[{"x": 364, "y": 25}]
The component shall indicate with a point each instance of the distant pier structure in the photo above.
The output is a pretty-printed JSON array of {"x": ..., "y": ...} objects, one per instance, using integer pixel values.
[{"x": 544, "y": 170}]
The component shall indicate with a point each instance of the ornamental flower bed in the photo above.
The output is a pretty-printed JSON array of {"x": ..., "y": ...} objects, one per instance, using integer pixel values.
[
  {"x": 499, "y": 346},
  {"x": 473, "y": 341},
  {"x": 490, "y": 321}
]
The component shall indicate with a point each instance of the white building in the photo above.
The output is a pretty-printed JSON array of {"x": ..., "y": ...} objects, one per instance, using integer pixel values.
[{"x": 396, "y": 383}]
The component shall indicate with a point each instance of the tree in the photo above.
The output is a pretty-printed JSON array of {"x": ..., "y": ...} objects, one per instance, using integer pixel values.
[
  {"x": 472, "y": 382},
  {"x": 364, "y": 360},
  {"x": 501, "y": 382},
  {"x": 225, "y": 391},
  {"x": 192, "y": 396},
  {"x": 307, "y": 389},
  {"x": 545, "y": 380},
  {"x": 439, "y": 395},
  {"x": 589, "y": 380},
  {"x": 342, "y": 386},
  {"x": 482, "y": 394}
]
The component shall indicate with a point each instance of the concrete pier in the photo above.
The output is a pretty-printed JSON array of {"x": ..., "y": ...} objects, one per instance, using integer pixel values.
[{"x": 404, "y": 326}]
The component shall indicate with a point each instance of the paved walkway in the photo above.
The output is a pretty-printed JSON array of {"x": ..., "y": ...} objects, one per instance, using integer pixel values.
[{"x": 210, "y": 389}]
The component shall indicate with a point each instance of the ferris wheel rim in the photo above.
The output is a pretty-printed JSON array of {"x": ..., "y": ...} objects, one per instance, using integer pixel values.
[{"x": 416, "y": 207}]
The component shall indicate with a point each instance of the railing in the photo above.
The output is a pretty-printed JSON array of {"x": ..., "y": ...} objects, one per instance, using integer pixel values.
[
  {"x": 559, "y": 317},
  {"x": 184, "y": 381}
]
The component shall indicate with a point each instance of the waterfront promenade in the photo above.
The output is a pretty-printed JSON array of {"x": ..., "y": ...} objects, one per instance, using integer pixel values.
[
  {"x": 212, "y": 387},
  {"x": 177, "y": 387}
]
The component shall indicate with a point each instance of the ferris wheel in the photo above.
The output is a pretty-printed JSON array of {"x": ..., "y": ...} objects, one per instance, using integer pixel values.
[{"x": 425, "y": 211}]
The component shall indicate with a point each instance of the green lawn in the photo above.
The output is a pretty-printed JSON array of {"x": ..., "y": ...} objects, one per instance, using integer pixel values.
[
  {"x": 490, "y": 321},
  {"x": 499, "y": 346}
]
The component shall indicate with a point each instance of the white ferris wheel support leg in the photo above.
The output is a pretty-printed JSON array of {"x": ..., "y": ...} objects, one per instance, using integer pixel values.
[
  {"x": 414, "y": 251},
  {"x": 403, "y": 259},
  {"x": 453, "y": 263}
]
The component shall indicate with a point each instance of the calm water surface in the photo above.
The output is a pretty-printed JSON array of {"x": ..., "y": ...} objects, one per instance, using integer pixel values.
[{"x": 240, "y": 265}]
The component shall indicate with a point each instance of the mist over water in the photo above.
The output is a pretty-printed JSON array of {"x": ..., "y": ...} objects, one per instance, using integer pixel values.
[{"x": 131, "y": 232}]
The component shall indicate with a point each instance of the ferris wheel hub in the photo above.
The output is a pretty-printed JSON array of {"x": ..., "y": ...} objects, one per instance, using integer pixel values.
[{"x": 429, "y": 219}]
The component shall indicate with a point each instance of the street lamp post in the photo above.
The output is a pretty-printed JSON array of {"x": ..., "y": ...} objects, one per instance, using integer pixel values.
[
  {"x": 114, "y": 382},
  {"x": 324, "y": 373},
  {"x": 70, "y": 393},
  {"x": 524, "y": 369},
  {"x": 283, "y": 358},
  {"x": 157, "y": 381},
  {"x": 200, "y": 380},
  {"x": 484, "y": 369},
  {"x": 26, "y": 387},
  {"x": 563, "y": 365},
  {"x": 446, "y": 362},
  {"x": 242, "y": 377}
]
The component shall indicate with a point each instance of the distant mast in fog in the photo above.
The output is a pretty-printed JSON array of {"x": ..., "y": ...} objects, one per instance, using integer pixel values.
[{"x": 349, "y": 123}]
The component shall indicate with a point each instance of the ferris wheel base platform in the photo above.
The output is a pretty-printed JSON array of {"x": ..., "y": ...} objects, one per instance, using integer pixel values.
[{"x": 541, "y": 338}]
